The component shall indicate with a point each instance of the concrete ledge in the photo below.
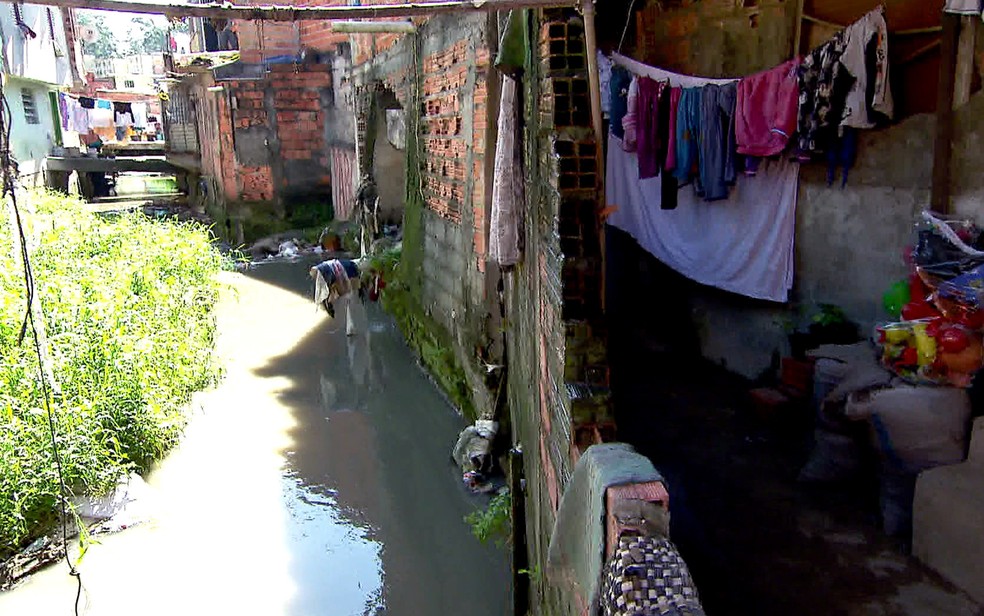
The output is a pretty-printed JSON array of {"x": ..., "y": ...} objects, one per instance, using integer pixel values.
[{"x": 948, "y": 519}]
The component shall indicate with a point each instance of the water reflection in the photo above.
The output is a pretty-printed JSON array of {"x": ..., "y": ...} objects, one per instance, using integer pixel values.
[{"x": 339, "y": 553}]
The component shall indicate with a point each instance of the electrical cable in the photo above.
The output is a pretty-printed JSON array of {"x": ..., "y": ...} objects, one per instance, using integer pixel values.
[
  {"x": 628, "y": 21},
  {"x": 6, "y": 165}
]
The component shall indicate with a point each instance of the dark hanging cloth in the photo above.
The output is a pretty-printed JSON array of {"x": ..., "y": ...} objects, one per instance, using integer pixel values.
[
  {"x": 823, "y": 84},
  {"x": 666, "y": 128},
  {"x": 619, "y": 93},
  {"x": 87, "y": 103},
  {"x": 123, "y": 108},
  {"x": 842, "y": 153},
  {"x": 652, "y": 114},
  {"x": 717, "y": 140}
]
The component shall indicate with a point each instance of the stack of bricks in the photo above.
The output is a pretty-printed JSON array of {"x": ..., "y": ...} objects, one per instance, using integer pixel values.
[
  {"x": 447, "y": 149},
  {"x": 565, "y": 110}
]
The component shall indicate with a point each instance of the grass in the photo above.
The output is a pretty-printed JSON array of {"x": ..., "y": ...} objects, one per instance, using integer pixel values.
[{"x": 129, "y": 310}]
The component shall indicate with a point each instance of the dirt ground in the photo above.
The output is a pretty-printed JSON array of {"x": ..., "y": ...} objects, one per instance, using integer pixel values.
[{"x": 757, "y": 541}]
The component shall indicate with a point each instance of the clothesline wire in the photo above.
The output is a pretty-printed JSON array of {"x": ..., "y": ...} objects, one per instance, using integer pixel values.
[
  {"x": 620, "y": 59},
  {"x": 625, "y": 31}
]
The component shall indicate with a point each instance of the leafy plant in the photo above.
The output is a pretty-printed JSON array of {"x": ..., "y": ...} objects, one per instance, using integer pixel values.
[
  {"x": 128, "y": 307},
  {"x": 830, "y": 314},
  {"x": 493, "y": 523}
]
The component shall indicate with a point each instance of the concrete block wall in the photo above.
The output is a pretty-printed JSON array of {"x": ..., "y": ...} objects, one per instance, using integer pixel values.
[{"x": 441, "y": 75}]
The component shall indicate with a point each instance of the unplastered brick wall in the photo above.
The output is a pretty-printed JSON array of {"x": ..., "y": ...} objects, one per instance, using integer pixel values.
[
  {"x": 453, "y": 77},
  {"x": 261, "y": 40},
  {"x": 715, "y": 38},
  {"x": 557, "y": 344},
  {"x": 271, "y": 134}
]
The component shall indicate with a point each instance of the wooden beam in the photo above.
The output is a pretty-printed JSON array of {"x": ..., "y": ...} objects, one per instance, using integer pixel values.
[
  {"x": 293, "y": 13},
  {"x": 943, "y": 145},
  {"x": 965, "y": 60}
]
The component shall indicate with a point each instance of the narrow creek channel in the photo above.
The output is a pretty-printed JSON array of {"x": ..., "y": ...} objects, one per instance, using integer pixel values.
[{"x": 316, "y": 479}]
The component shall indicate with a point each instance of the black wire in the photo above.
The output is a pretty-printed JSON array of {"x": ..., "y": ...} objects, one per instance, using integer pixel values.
[{"x": 8, "y": 190}]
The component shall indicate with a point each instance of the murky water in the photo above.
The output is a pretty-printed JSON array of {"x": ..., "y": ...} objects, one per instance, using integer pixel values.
[{"x": 315, "y": 480}]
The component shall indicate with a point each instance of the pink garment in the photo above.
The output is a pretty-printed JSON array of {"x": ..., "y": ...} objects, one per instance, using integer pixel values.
[
  {"x": 671, "y": 144},
  {"x": 766, "y": 113}
]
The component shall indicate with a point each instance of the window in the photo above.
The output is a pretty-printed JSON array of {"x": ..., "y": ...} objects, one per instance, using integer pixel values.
[
  {"x": 30, "y": 107},
  {"x": 128, "y": 83}
]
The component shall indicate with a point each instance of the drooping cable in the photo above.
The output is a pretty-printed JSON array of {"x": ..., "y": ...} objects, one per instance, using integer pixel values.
[
  {"x": 628, "y": 21},
  {"x": 7, "y": 166}
]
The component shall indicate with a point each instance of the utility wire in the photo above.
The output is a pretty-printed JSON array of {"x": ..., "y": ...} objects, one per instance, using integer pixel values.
[{"x": 7, "y": 166}]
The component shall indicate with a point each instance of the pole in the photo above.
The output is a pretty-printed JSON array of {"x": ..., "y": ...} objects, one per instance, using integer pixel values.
[
  {"x": 940, "y": 199},
  {"x": 293, "y": 13},
  {"x": 594, "y": 84}
]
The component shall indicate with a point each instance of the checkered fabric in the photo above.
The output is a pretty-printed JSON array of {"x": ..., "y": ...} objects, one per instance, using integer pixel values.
[{"x": 646, "y": 576}]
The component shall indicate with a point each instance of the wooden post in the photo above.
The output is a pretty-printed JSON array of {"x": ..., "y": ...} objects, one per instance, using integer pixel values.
[
  {"x": 965, "y": 60},
  {"x": 798, "y": 29},
  {"x": 942, "y": 147},
  {"x": 594, "y": 84}
]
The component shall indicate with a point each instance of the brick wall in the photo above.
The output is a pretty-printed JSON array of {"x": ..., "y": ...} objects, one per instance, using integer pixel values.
[
  {"x": 264, "y": 140},
  {"x": 557, "y": 346}
]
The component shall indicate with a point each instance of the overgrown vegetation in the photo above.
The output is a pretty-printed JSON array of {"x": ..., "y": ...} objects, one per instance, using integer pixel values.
[
  {"x": 129, "y": 311},
  {"x": 493, "y": 523}
]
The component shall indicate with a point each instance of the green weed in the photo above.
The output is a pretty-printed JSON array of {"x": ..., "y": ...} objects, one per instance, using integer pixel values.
[
  {"x": 493, "y": 523},
  {"x": 129, "y": 311}
]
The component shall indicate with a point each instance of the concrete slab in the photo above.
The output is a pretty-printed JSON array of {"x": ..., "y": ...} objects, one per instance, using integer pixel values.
[{"x": 948, "y": 525}]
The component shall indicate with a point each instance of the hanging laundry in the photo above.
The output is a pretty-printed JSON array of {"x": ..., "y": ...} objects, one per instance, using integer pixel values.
[
  {"x": 689, "y": 114},
  {"x": 101, "y": 104},
  {"x": 766, "y": 111},
  {"x": 87, "y": 103},
  {"x": 675, "y": 93},
  {"x": 618, "y": 94},
  {"x": 78, "y": 118},
  {"x": 745, "y": 247},
  {"x": 823, "y": 85},
  {"x": 604, "y": 81},
  {"x": 63, "y": 110},
  {"x": 963, "y": 7},
  {"x": 123, "y": 115},
  {"x": 139, "y": 114},
  {"x": 866, "y": 58},
  {"x": 100, "y": 117},
  {"x": 631, "y": 118},
  {"x": 508, "y": 196},
  {"x": 652, "y": 115},
  {"x": 717, "y": 141}
]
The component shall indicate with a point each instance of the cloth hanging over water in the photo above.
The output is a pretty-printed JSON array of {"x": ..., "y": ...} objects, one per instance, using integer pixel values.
[
  {"x": 508, "y": 196},
  {"x": 514, "y": 46},
  {"x": 744, "y": 246},
  {"x": 576, "y": 553}
]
